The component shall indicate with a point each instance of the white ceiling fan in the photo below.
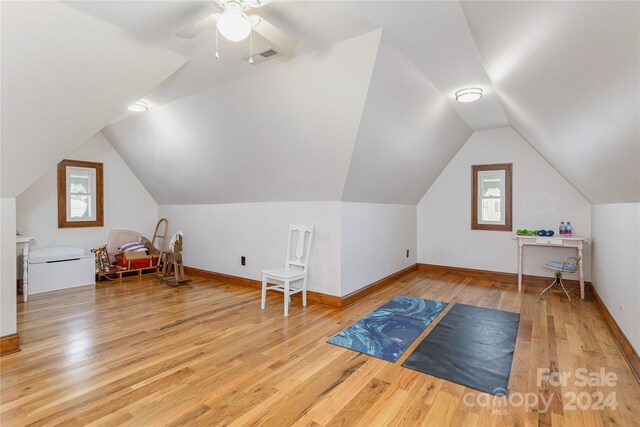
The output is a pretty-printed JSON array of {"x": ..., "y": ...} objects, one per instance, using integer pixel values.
[{"x": 235, "y": 24}]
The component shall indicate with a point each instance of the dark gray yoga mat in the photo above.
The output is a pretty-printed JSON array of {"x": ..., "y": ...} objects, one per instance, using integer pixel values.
[{"x": 472, "y": 346}]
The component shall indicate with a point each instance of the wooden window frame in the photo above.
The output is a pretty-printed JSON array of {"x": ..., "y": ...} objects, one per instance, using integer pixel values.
[
  {"x": 508, "y": 174},
  {"x": 62, "y": 194}
]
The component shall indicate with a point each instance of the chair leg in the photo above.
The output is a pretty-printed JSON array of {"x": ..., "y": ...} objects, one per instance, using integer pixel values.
[
  {"x": 549, "y": 287},
  {"x": 304, "y": 291},
  {"x": 287, "y": 298},
  {"x": 564, "y": 289},
  {"x": 557, "y": 281},
  {"x": 264, "y": 291}
]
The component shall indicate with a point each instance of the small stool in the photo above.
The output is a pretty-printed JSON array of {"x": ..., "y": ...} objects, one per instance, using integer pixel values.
[{"x": 569, "y": 265}]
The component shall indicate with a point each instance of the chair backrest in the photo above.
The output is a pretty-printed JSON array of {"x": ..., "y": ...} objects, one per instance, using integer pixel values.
[
  {"x": 299, "y": 245},
  {"x": 570, "y": 264}
]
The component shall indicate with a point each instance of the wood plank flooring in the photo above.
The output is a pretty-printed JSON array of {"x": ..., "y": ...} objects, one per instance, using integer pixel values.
[{"x": 140, "y": 353}]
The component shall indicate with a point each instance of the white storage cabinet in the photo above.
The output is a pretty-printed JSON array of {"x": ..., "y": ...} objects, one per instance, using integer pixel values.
[{"x": 60, "y": 267}]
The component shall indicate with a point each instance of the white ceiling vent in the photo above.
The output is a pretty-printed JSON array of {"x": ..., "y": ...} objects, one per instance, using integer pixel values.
[{"x": 265, "y": 55}]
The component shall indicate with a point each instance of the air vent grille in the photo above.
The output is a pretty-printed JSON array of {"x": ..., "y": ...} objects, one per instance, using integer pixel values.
[
  {"x": 263, "y": 56},
  {"x": 268, "y": 53}
]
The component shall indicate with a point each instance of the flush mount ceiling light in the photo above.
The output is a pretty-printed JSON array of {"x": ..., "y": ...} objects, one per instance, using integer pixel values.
[
  {"x": 469, "y": 94},
  {"x": 139, "y": 107},
  {"x": 233, "y": 24}
]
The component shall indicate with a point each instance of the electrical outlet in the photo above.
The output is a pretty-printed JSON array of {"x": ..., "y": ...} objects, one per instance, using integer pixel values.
[
  {"x": 407, "y": 253},
  {"x": 243, "y": 260}
]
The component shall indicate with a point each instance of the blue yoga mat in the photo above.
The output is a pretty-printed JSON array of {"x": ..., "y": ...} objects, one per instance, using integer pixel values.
[
  {"x": 472, "y": 346},
  {"x": 387, "y": 331}
]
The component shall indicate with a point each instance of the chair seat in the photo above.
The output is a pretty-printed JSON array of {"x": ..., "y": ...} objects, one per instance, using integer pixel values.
[
  {"x": 559, "y": 265},
  {"x": 284, "y": 273}
]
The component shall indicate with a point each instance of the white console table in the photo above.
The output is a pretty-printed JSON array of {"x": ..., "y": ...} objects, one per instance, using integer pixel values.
[
  {"x": 555, "y": 241},
  {"x": 22, "y": 243}
]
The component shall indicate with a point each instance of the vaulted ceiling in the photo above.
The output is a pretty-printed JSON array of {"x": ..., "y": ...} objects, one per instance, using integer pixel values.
[
  {"x": 355, "y": 113},
  {"x": 65, "y": 76},
  {"x": 286, "y": 133},
  {"x": 407, "y": 134},
  {"x": 356, "y": 121},
  {"x": 568, "y": 77}
]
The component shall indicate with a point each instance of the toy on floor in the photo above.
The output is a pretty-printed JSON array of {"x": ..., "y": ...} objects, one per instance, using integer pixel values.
[{"x": 173, "y": 259}]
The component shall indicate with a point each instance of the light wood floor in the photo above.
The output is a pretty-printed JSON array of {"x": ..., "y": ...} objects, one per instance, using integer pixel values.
[{"x": 144, "y": 354}]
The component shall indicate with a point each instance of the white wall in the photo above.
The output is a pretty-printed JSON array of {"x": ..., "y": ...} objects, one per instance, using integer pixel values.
[
  {"x": 216, "y": 236},
  {"x": 541, "y": 199},
  {"x": 126, "y": 202},
  {"x": 375, "y": 239},
  {"x": 616, "y": 264},
  {"x": 7, "y": 266}
]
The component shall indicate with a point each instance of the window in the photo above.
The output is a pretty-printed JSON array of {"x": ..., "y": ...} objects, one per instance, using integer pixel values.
[
  {"x": 491, "y": 197},
  {"x": 80, "y": 194}
]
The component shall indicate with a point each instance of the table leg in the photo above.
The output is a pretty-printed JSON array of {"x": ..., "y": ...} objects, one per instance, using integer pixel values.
[
  {"x": 581, "y": 271},
  {"x": 520, "y": 247},
  {"x": 25, "y": 272}
]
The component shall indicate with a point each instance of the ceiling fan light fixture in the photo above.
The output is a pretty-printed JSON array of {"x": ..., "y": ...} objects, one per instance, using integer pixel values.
[
  {"x": 232, "y": 24},
  {"x": 469, "y": 94},
  {"x": 139, "y": 106}
]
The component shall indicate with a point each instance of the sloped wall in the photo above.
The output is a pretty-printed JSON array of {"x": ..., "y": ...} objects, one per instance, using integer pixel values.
[
  {"x": 65, "y": 75},
  {"x": 407, "y": 134},
  {"x": 567, "y": 74},
  {"x": 127, "y": 204},
  {"x": 541, "y": 199},
  {"x": 284, "y": 134}
]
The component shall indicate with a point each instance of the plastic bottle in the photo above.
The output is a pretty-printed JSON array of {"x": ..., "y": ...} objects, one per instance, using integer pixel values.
[
  {"x": 568, "y": 229},
  {"x": 562, "y": 228}
]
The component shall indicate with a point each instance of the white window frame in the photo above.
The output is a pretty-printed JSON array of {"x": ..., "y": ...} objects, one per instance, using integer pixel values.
[
  {"x": 481, "y": 197},
  {"x": 91, "y": 194}
]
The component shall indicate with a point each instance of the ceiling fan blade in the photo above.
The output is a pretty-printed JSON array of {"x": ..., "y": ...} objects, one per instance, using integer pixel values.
[
  {"x": 199, "y": 27},
  {"x": 276, "y": 36}
]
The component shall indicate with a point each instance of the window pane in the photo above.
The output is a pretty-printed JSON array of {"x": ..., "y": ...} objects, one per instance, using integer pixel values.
[
  {"x": 492, "y": 184},
  {"x": 81, "y": 208},
  {"x": 80, "y": 180},
  {"x": 491, "y": 210},
  {"x": 79, "y": 184}
]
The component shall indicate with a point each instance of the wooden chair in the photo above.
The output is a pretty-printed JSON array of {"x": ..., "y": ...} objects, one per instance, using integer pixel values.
[{"x": 295, "y": 269}]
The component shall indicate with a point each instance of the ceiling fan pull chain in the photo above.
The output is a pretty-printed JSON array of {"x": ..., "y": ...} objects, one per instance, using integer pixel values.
[
  {"x": 251, "y": 47},
  {"x": 217, "y": 32}
]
